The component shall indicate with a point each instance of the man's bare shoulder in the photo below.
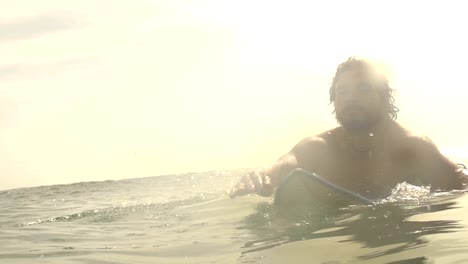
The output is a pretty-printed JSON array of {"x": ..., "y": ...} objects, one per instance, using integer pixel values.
[
  {"x": 316, "y": 144},
  {"x": 411, "y": 139},
  {"x": 327, "y": 135},
  {"x": 310, "y": 143}
]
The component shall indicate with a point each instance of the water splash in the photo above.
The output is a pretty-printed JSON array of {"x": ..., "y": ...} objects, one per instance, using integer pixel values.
[{"x": 408, "y": 192}]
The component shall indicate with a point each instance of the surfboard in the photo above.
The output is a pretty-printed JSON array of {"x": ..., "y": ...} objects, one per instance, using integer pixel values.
[{"x": 303, "y": 188}]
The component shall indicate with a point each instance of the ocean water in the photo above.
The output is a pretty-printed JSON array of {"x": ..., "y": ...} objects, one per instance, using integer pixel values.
[{"x": 189, "y": 218}]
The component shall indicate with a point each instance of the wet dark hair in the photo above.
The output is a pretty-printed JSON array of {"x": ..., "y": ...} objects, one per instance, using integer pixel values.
[{"x": 386, "y": 92}]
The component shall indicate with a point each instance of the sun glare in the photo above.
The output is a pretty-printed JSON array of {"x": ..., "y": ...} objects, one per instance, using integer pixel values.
[{"x": 174, "y": 86}]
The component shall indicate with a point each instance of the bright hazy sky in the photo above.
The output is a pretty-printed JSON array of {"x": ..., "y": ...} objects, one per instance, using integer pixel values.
[{"x": 96, "y": 90}]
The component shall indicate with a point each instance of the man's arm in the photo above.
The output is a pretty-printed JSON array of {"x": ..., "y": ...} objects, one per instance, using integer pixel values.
[
  {"x": 263, "y": 182},
  {"x": 435, "y": 169}
]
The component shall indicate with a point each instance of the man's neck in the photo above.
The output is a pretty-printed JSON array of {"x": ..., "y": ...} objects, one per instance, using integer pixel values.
[
  {"x": 364, "y": 132},
  {"x": 365, "y": 139}
]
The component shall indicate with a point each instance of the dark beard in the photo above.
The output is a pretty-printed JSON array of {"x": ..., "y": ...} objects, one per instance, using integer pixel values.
[{"x": 358, "y": 126}]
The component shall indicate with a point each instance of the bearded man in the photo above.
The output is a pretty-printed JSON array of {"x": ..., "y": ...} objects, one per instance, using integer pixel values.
[{"x": 369, "y": 152}]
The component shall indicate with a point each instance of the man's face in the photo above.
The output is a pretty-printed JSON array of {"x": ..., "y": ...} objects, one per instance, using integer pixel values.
[{"x": 358, "y": 104}]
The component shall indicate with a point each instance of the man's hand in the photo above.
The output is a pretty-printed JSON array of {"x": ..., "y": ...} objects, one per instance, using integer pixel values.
[{"x": 254, "y": 182}]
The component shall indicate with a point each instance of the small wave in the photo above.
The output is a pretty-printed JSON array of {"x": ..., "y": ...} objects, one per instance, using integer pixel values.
[{"x": 111, "y": 214}]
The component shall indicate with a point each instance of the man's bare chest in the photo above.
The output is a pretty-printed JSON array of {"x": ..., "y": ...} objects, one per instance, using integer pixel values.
[{"x": 372, "y": 171}]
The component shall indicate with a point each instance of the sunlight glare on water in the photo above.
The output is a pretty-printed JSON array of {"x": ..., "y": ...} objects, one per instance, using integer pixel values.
[{"x": 189, "y": 218}]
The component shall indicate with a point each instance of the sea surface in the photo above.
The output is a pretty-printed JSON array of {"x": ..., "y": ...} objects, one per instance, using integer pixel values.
[{"x": 189, "y": 218}]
